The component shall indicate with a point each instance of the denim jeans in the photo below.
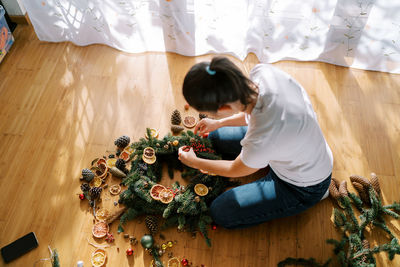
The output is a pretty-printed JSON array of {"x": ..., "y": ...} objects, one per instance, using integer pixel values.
[{"x": 262, "y": 200}]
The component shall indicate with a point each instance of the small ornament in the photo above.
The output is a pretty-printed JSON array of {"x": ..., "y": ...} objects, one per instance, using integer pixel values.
[
  {"x": 175, "y": 129},
  {"x": 164, "y": 246},
  {"x": 185, "y": 262},
  {"x": 213, "y": 226},
  {"x": 110, "y": 238},
  {"x": 161, "y": 252},
  {"x": 170, "y": 244},
  {"x": 189, "y": 121},
  {"x": 175, "y": 143},
  {"x": 133, "y": 240},
  {"x": 166, "y": 196},
  {"x": 166, "y": 147},
  {"x": 129, "y": 252},
  {"x": 197, "y": 199},
  {"x": 81, "y": 196},
  {"x": 115, "y": 203},
  {"x": 151, "y": 224},
  {"x": 155, "y": 191},
  {"x": 115, "y": 189},
  {"x": 201, "y": 190},
  {"x": 158, "y": 145},
  {"x": 147, "y": 241},
  {"x": 122, "y": 141},
  {"x": 174, "y": 262},
  {"x": 202, "y": 116},
  {"x": 186, "y": 106},
  {"x": 183, "y": 189},
  {"x": 87, "y": 174},
  {"x": 100, "y": 230},
  {"x": 176, "y": 118}
]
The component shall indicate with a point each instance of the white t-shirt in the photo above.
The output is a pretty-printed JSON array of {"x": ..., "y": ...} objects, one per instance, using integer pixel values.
[{"x": 283, "y": 131}]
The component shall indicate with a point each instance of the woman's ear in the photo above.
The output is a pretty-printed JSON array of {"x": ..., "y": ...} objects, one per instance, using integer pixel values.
[{"x": 224, "y": 108}]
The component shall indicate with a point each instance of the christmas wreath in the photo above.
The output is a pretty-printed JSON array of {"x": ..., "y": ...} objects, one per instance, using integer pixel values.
[{"x": 139, "y": 166}]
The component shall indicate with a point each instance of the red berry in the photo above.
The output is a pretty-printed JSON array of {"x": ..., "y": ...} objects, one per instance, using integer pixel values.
[
  {"x": 185, "y": 262},
  {"x": 186, "y": 106},
  {"x": 81, "y": 196}
]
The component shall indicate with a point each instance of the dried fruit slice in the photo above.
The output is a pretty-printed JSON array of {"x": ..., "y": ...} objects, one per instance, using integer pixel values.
[
  {"x": 96, "y": 182},
  {"x": 115, "y": 189},
  {"x": 111, "y": 162},
  {"x": 100, "y": 161},
  {"x": 149, "y": 161},
  {"x": 125, "y": 156},
  {"x": 153, "y": 132},
  {"x": 100, "y": 229},
  {"x": 98, "y": 258},
  {"x": 155, "y": 191},
  {"x": 102, "y": 214},
  {"x": 189, "y": 121},
  {"x": 166, "y": 196},
  {"x": 149, "y": 152},
  {"x": 174, "y": 262},
  {"x": 201, "y": 189}
]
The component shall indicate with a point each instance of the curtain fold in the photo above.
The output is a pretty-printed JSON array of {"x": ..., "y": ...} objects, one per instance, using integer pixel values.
[{"x": 362, "y": 34}]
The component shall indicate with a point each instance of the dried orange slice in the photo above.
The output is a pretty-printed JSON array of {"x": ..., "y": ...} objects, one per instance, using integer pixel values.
[
  {"x": 149, "y": 161},
  {"x": 115, "y": 189},
  {"x": 174, "y": 262},
  {"x": 149, "y": 152},
  {"x": 153, "y": 132},
  {"x": 189, "y": 121},
  {"x": 102, "y": 214},
  {"x": 125, "y": 156},
  {"x": 201, "y": 189},
  {"x": 111, "y": 162},
  {"x": 98, "y": 258},
  {"x": 155, "y": 191},
  {"x": 129, "y": 149},
  {"x": 100, "y": 161},
  {"x": 96, "y": 182},
  {"x": 166, "y": 196},
  {"x": 100, "y": 229}
]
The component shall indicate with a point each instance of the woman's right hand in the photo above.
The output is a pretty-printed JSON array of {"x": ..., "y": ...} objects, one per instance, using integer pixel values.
[{"x": 206, "y": 125}]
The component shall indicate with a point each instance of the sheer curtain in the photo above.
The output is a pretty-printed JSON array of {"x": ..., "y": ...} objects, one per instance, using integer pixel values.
[{"x": 362, "y": 34}]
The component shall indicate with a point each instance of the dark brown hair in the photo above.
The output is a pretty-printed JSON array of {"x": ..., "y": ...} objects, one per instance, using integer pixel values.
[{"x": 222, "y": 83}]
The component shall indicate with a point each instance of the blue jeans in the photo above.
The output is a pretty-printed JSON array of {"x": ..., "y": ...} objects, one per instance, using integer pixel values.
[{"x": 262, "y": 200}]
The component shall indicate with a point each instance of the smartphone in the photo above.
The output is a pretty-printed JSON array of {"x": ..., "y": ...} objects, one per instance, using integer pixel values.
[{"x": 19, "y": 247}]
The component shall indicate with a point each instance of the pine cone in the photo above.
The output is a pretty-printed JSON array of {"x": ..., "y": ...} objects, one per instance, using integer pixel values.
[
  {"x": 202, "y": 116},
  {"x": 120, "y": 164},
  {"x": 95, "y": 192},
  {"x": 151, "y": 223},
  {"x": 176, "y": 118},
  {"x": 361, "y": 192},
  {"x": 360, "y": 180},
  {"x": 122, "y": 141},
  {"x": 87, "y": 174},
  {"x": 375, "y": 183},
  {"x": 176, "y": 129},
  {"x": 343, "y": 189},
  {"x": 333, "y": 189},
  {"x": 85, "y": 187}
]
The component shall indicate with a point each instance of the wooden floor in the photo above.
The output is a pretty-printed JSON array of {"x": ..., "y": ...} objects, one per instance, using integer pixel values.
[{"x": 63, "y": 105}]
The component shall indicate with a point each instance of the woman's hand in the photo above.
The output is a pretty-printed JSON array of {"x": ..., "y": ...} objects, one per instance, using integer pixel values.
[
  {"x": 206, "y": 125},
  {"x": 187, "y": 156}
]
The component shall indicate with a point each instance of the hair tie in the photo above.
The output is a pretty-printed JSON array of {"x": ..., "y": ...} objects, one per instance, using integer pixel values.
[{"x": 209, "y": 71}]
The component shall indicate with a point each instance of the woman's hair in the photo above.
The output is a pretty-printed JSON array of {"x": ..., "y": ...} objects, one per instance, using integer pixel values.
[{"x": 210, "y": 85}]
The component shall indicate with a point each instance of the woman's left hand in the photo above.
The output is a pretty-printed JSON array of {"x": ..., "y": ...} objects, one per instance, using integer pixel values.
[{"x": 187, "y": 156}]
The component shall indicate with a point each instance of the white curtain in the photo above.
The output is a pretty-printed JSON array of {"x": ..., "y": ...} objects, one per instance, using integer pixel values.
[{"x": 362, "y": 34}]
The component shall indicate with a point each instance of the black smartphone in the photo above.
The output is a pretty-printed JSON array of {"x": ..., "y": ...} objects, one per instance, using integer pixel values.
[{"x": 19, "y": 247}]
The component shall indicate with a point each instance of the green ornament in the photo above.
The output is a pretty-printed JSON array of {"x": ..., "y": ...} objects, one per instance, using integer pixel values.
[{"x": 147, "y": 241}]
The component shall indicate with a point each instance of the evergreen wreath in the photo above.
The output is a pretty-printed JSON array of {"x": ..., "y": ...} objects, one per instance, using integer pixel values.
[{"x": 187, "y": 210}]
